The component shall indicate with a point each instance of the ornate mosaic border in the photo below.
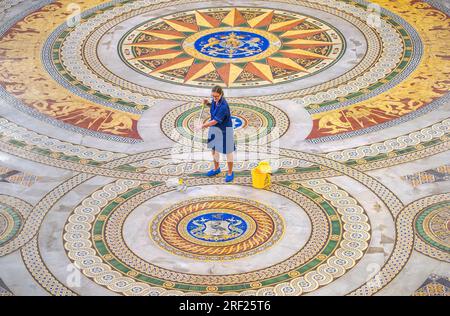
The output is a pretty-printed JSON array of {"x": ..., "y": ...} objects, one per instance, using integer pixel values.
[
  {"x": 16, "y": 212},
  {"x": 272, "y": 97},
  {"x": 394, "y": 206},
  {"x": 265, "y": 227},
  {"x": 101, "y": 274},
  {"x": 403, "y": 246},
  {"x": 418, "y": 144},
  {"x": 258, "y": 30},
  {"x": 11, "y": 223}
]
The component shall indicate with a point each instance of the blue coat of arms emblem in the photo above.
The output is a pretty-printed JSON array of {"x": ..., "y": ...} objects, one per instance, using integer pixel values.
[{"x": 217, "y": 227}]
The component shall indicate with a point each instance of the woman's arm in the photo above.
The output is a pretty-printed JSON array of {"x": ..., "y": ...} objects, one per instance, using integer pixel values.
[{"x": 210, "y": 123}]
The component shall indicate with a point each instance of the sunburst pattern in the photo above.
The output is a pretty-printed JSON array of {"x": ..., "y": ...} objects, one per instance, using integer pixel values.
[{"x": 231, "y": 47}]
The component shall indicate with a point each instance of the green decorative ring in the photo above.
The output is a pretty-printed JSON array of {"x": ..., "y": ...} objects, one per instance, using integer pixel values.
[
  {"x": 333, "y": 240},
  {"x": 10, "y": 223},
  {"x": 432, "y": 225},
  {"x": 257, "y": 122}
]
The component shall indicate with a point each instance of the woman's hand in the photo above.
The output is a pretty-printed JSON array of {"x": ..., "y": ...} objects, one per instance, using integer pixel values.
[
  {"x": 206, "y": 102},
  {"x": 199, "y": 126}
]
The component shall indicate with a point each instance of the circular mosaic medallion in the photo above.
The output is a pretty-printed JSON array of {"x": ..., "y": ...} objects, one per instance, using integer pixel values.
[
  {"x": 145, "y": 59},
  {"x": 10, "y": 223},
  {"x": 228, "y": 44},
  {"x": 95, "y": 241},
  {"x": 217, "y": 228},
  {"x": 433, "y": 225},
  {"x": 232, "y": 47},
  {"x": 89, "y": 62},
  {"x": 257, "y": 122}
]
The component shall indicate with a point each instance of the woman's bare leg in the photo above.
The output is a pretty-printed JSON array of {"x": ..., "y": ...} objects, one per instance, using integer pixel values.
[
  {"x": 216, "y": 158},
  {"x": 230, "y": 163}
]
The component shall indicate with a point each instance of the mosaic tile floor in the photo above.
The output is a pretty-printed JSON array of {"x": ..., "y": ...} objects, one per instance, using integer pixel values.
[{"x": 348, "y": 101}]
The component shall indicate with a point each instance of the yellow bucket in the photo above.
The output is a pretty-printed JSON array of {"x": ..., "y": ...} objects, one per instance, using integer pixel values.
[{"x": 261, "y": 175}]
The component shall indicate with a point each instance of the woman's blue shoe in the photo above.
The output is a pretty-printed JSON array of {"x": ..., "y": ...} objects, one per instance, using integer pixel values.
[
  {"x": 213, "y": 172},
  {"x": 229, "y": 177}
]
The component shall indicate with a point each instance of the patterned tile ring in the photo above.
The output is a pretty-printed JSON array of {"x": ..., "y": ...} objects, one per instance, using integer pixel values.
[
  {"x": 418, "y": 144},
  {"x": 201, "y": 71},
  {"x": 13, "y": 216},
  {"x": 345, "y": 257},
  {"x": 252, "y": 123},
  {"x": 378, "y": 189},
  {"x": 403, "y": 246},
  {"x": 10, "y": 223},
  {"x": 35, "y": 265},
  {"x": 329, "y": 124},
  {"x": 94, "y": 239},
  {"x": 217, "y": 228},
  {"x": 220, "y": 39},
  {"x": 432, "y": 227}
]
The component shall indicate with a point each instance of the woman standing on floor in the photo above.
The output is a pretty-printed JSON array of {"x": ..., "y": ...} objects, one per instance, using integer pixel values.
[{"x": 220, "y": 134}]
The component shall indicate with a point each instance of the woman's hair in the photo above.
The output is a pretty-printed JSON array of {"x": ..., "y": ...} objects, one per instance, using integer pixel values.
[{"x": 218, "y": 89}]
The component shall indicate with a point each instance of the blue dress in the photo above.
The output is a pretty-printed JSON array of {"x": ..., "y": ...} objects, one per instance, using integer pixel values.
[{"x": 221, "y": 135}]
